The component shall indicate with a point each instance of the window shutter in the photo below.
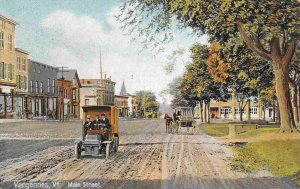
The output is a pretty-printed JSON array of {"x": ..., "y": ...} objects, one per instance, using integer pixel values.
[
  {"x": 1, "y": 70},
  {"x": 13, "y": 71},
  {"x": 21, "y": 83},
  {"x": 5, "y": 71},
  {"x": 25, "y": 82}
]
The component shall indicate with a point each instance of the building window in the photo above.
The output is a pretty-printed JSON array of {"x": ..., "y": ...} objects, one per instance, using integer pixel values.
[
  {"x": 1, "y": 39},
  {"x": 10, "y": 45},
  {"x": 41, "y": 89},
  {"x": 9, "y": 104},
  {"x": 2, "y": 104},
  {"x": 31, "y": 86},
  {"x": 36, "y": 86},
  {"x": 18, "y": 62},
  {"x": 65, "y": 93},
  {"x": 73, "y": 94},
  {"x": 2, "y": 70},
  {"x": 237, "y": 111},
  {"x": 18, "y": 81},
  {"x": 253, "y": 110},
  {"x": 3, "y": 24},
  {"x": 24, "y": 82},
  {"x": 24, "y": 64},
  {"x": 10, "y": 71},
  {"x": 53, "y": 86},
  {"x": 48, "y": 86},
  {"x": 86, "y": 101}
]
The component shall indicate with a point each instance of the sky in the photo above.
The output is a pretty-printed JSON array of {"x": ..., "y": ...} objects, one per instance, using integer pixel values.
[{"x": 70, "y": 33}]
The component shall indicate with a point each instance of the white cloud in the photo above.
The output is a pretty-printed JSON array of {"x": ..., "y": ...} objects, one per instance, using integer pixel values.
[{"x": 78, "y": 38}]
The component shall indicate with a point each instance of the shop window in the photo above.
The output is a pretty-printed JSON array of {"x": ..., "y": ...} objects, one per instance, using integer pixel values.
[
  {"x": 2, "y": 105},
  {"x": 254, "y": 110},
  {"x": 9, "y": 104}
]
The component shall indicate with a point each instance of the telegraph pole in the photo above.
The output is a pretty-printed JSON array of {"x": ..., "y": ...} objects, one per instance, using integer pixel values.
[{"x": 62, "y": 118}]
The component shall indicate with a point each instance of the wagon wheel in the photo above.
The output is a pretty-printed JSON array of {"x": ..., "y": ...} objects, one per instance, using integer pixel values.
[
  {"x": 194, "y": 127},
  {"x": 169, "y": 127},
  {"x": 178, "y": 125},
  {"x": 78, "y": 150}
]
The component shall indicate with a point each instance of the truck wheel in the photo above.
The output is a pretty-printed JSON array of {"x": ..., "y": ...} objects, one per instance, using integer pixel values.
[
  {"x": 78, "y": 150},
  {"x": 116, "y": 144},
  {"x": 107, "y": 151}
]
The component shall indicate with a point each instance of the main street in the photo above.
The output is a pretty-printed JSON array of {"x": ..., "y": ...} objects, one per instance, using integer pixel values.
[{"x": 38, "y": 151}]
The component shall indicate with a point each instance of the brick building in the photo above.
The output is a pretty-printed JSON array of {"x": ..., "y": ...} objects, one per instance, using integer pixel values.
[{"x": 69, "y": 94}]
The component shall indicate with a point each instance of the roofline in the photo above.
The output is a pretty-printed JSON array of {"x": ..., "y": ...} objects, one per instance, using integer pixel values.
[
  {"x": 8, "y": 19},
  {"x": 97, "y": 79},
  {"x": 22, "y": 51},
  {"x": 122, "y": 96},
  {"x": 184, "y": 107},
  {"x": 36, "y": 62}
]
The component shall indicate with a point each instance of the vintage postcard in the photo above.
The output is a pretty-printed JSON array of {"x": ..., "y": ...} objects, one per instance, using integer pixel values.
[{"x": 187, "y": 94}]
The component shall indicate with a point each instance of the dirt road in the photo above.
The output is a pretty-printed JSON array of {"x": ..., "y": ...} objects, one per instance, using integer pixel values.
[{"x": 147, "y": 158}]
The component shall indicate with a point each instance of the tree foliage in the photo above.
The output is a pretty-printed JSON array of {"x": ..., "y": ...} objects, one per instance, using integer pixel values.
[
  {"x": 146, "y": 99},
  {"x": 270, "y": 28},
  {"x": 197, "y": 83}
]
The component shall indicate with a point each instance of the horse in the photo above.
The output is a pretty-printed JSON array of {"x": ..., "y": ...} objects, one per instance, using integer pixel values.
[{"x": 169, "y": 122}]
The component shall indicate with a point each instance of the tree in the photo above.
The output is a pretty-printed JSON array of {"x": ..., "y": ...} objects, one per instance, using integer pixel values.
[
  {"x": 174, "y": 90},
  {"x": 295, "y": 84},
  {"x": 270, "y": 28},
  {"x": 146, "y": 100},
  {"x": 197, "y": 84},
  {"x": 241, "y": 69},
  {"x": 268, "y": 98}
]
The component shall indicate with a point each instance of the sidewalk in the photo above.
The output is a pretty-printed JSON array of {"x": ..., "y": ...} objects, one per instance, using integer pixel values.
[{"x": 13, "y": 120}]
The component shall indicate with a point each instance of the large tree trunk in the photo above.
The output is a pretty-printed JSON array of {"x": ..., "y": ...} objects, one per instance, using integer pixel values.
[
  {"x": 241, "y": 116},
  {"x": 241, "y": 112},
  {"x": 274, "y": 111},
  {"x": 248, "y": 111},
  {"x": 283, "y": 96},
  {"x": 264, "y": 113},
  {"x": 201, "y": 111},
  {"x": 208, "y": 112},
  {"x": 295, "y": 102},
  {"x": 205, "y": 120},
  {"x": 280, "y": 58},
  {"x": 299, "y": 103}
]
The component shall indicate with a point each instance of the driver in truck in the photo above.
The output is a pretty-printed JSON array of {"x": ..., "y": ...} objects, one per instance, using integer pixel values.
[{"x": 107, "y": 126}]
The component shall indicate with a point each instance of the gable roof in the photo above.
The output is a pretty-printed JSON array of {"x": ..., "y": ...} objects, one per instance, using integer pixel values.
[{"x": 69, "y": 75}]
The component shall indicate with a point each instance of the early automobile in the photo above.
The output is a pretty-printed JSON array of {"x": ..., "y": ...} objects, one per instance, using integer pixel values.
[
  {"x": 185, "y": 119},
  {"x": 99, "y": 138}
]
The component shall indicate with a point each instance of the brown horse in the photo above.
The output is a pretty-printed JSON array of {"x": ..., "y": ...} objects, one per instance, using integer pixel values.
[{"x": 169, "y": 122}]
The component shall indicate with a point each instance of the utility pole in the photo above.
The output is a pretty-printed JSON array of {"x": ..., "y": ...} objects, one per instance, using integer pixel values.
[
  {"x": 62, "y": 118},
  {"x": 102, "y": 88}
]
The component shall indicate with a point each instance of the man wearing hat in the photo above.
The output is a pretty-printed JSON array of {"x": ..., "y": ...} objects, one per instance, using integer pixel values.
[
  {"x": 107, "y": 127},
  {"x": 96, "y": 122},
  {"x": 88, "y": 125}
]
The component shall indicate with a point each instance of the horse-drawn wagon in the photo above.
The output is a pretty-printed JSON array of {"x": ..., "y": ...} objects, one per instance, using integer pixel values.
[{"x": 185, "y": 119}]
